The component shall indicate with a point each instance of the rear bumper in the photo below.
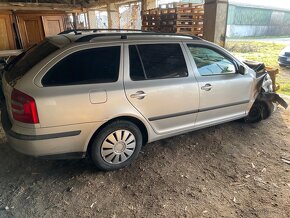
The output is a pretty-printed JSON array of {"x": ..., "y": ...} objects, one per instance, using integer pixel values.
[
  {"x": 39, "y": 149},
  {"x": 63, "y": 145}
]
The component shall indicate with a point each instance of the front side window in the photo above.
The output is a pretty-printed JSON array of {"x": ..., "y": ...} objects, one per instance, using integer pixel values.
[
  {"x": 210, "y": 62},
  {"x": 97, "y": 65},
  {"x": 156, "y": 61}
]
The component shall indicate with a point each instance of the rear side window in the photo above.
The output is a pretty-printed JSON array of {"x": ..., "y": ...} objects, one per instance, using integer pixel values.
[
  {"x": 97, "y": 65},
  {"x": 156, "y": 61},
  {"x": 21, "y": 64}
]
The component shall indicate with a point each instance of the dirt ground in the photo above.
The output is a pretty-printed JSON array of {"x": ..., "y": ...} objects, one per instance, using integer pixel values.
[{"x": 230, "y": 170}]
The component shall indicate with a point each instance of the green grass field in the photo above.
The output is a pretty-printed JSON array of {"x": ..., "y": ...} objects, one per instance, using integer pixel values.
[{"x": 264, "y": 52}]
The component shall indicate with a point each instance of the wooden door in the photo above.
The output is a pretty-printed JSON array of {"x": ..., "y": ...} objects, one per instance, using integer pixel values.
[
  {"x": 31, "y": 30},
  {"x": 6, "y": 32},
  {"x": 53, "y": 25}
]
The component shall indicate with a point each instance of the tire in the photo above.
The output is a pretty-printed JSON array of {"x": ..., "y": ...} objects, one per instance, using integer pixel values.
[
  {"x": 282, "y": 65},
  {"x": 260, "y": 110},
  {"x": 116, "y": 146}
]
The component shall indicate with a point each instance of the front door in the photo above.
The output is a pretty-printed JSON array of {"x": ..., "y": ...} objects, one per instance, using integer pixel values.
[
  {"x": 160, "y": 84},
  {"x": 224, "y": 93}
]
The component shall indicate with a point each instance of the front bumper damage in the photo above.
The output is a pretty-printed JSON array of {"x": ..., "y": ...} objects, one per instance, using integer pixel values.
[
  {"x": 265, "y": 97},
  {"x": 265, "y": 89},
  {"x": 273, "y": 98}
]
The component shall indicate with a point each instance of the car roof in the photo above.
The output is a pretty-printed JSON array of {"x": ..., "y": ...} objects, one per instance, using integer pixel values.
[{"x": 76, "y": 36}]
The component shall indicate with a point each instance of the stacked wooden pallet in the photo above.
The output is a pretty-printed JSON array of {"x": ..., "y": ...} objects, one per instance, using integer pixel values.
[
  {"x": 175, "y": 18},
  {"x": 151, "y": 20}
]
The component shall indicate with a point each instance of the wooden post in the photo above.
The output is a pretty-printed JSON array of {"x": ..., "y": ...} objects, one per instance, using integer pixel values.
[
  {"x": 113, "y": 16},
  {"x": 75, "y": 20},
  {"x": 215, "y": 21}
]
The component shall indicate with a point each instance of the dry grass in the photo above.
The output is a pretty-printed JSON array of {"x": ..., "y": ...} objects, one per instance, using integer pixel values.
[{"x": 264, "y": 52}]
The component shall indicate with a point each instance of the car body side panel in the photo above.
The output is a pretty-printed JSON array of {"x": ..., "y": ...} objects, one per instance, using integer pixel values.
[
  {"x": 78, "y": 143},
  {"x": 86, "y": 108},
  {"x": 74, "y": 104},
  {"x": 229, "y": 97},
  {"x": 54, "y": 146},
  {"x": 73, "y": 108},
  {"x": 170, "y": 105}
]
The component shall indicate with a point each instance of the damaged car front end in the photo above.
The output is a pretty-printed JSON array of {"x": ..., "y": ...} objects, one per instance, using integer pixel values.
[{"x": 266, "y": 97}]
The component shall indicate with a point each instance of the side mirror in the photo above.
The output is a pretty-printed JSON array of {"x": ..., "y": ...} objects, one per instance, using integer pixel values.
[{"x": 241, "y": 70}]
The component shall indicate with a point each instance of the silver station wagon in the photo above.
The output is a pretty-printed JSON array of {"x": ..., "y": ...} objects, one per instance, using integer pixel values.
[{"x": 104, "y": 95}]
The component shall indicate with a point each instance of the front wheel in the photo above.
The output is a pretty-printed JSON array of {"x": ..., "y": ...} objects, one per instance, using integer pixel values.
[
  {"x": 260, "y": 110},
  {"x": 116, "y": 145}
]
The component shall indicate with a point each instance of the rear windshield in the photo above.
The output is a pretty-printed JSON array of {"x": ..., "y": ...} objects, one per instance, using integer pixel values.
[{"x": 20, "y": 65}]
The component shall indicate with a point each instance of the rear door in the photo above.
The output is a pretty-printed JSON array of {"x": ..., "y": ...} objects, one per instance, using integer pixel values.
[
  {"x": 224, "y": 93},
  {"x": 160, "y": 84}
]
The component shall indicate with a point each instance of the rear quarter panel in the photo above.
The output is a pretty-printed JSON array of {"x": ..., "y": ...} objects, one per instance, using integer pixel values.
[{"x": 64, "y": 106}]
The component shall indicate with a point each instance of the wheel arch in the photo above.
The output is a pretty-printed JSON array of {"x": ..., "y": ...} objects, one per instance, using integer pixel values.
[
  {"x": 136, "y": 121},
  {"x": 264, "y": 114}
]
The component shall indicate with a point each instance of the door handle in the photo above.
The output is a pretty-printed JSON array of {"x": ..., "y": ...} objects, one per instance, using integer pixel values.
[
  {"x": 207, "y": 87},
  {"x": 139, "y": 95}
]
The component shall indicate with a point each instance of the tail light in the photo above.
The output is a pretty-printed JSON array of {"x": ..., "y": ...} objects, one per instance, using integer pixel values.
[{"x": 23, "y": 107}]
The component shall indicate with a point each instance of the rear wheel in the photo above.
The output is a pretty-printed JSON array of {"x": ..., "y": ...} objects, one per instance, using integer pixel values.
[{"x": 116, "y": 145}]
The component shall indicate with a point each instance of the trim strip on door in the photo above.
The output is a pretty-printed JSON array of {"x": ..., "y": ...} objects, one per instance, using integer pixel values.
[
  {"x": 196, "y": 111},
  {"x": 172, "y": 115},
  {"x": 222, "y": 106}
]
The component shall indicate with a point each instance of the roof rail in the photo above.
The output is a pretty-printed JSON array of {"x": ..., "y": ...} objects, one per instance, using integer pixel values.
[
  {"x": 87, "y": 38},
  {"x": 79, "y": 31}
]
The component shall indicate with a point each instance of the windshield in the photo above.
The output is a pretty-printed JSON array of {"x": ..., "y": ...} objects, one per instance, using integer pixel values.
[{"x": 29, "y": 58}]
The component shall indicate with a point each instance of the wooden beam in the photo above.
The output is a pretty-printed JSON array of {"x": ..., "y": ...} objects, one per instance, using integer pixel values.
[
  {"x": 19, "y": 6},
  {"x": 103, "y": 3},
  {"x": 41, "y": 6}
]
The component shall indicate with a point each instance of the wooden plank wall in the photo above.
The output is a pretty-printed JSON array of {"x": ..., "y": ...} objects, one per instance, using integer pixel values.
[
  {"x": 7, "y": 39},
  {"x": 33, "y": 27}
]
